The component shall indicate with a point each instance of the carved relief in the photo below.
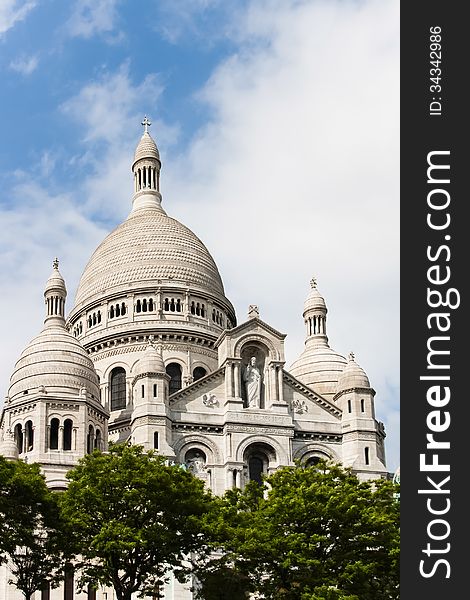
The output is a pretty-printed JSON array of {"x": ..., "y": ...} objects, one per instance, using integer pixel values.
[
  {"x": 210, "y": 400},
  {"x": 299, "y": 406}
]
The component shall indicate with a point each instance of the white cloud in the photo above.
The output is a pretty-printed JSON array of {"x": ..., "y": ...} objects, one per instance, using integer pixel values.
[
  {"x": 300, "y": 169},
  {"x": 41, "y": 224},
  {"x": 178, "y": 18},
  {"x": 40, "y": 227},
  {"x": 108, "y": 110},
  {"x": 25, "y": 65},
  {"x": 12, "y": 11},
  {"x": 92, "y": 17}
]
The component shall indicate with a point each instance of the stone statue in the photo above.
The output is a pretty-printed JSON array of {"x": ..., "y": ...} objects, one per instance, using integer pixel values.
[
  {"x": 196, "y": 464},
  {"x": 252, "y": 379}
]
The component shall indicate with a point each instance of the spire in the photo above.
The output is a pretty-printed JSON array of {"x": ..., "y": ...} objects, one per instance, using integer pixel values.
[
  {"x": 315, "y": 316},
  {"x": 146, "y": 169},
  {"x": 55, "y": 294}
]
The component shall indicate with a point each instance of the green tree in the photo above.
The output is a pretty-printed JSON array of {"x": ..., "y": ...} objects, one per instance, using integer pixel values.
[
  {"x": 134, "y": 517},
  {"x": 312, "y": 534},
  {"x": 31, "y": 537}
]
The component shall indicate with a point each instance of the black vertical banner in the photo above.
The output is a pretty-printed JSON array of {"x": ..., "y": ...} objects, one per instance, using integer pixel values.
[{"x": 435, "y": 401}]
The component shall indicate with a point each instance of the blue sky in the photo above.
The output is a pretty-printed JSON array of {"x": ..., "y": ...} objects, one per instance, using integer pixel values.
[{"x": 278, "y": 126}]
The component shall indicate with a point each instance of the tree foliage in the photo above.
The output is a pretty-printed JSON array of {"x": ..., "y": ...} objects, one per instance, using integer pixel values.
[
  {"x": 31, "y": 530},
  {"x": 134, "y": 517},
  {"x": 315, "y": 533}
]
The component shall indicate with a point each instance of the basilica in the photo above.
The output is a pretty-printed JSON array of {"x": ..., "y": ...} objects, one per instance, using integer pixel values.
[{"x": 153, "y": 353}]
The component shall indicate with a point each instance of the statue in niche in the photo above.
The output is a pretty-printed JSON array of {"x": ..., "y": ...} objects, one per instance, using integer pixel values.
[
  {"x": 252, "y": 380},
  {"x": 196, "y": 464}
]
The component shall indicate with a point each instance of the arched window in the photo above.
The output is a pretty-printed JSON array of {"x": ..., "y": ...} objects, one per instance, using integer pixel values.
[
  {"x": 18, "y": 433},
  {"x": 193, "y": 309},
  {"x": 198, "y": 373},
  {"x": 118, "y": 388},
  {"x": 138, "y": 307},
  {"x": 155, "y": 440},
  {"x": 257, "y": 458},
  {"x": 111, "y": 312},
  {"x": 123, "y": 309},
  {"x": 174, "y": 371},
  {"x": 68, "y": 426},
  {"x": 54, "y": 435},
  {"x": 256, "y": 468},
  {"x": 166, "y": 304},
  {"x": 118, "y": 310},
  {"x": 313, "y": 461},
  {"x": 144, "y": 305},
  {"x": 362, "y": 405},
  {"x": 151, "y": 304},
  {"x": 98, "y": 439},
  {"x": 89, "y": 440},
  {"x": 29, "y": 431},
  {"x": 179, "y": 307},
  {"x": 366, "y": 455},
  {"x": 349, "y": 406}
]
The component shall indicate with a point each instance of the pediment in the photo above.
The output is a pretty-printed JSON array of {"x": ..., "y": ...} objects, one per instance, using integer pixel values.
[
  {"x": 306, "y": 404},
  {"x": 206, "y": 395}
]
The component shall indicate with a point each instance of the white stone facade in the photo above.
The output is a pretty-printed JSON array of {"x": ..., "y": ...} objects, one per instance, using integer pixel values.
[{"x": 151, "y": 353}]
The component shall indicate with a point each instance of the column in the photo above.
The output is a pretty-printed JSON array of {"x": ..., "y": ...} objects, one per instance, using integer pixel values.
[
  {"x": 279, "y": 384},
  {"x": 273, "y": 386},
  {"x": 228, "y": 380},
  {"x": 236, "y": 375},
  {"x": 61, "y": 437}
]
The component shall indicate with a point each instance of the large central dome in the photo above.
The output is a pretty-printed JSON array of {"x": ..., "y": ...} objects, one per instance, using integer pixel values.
[
  {"x": 147, "y": 248},
  {"x": 150, "y": 248}
]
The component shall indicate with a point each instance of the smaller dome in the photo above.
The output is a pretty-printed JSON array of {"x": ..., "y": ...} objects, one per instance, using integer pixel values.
[
  {"x": 146, "y": 148},
  {"x": 319, "y": 367},
  {"x": 314, "y": 300},
  {"x": 353, "y": 376},
  {"x": 56, "y": 281},
  {"x": 9, "y": 448},
  {"x": 56, "y": 361},
  {"x": 151, "y": 361}
]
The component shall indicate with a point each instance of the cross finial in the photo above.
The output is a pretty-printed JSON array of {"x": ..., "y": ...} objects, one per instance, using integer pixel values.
[
  {"x": 313, "y": 282},
  {"x": 351, "y": 355},
  {"x": 55, "y": 263},
  {"x": 146, "y": 123}
]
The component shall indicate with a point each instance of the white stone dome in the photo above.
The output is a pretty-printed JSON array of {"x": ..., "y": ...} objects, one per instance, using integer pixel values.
[
  {"x": 9, "y": 448},
  {"x": 315, "y": 300},
  {"x": 55, "y": 361},
  {"x": 353, "y": 376},
  {"x": 151, "y": 362},
  {"x": 149, "y": 247},
  {"x": 56, "y": 282},
  {"x": 146, "y": 148},
  {"x": 319, "y": 367}
]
